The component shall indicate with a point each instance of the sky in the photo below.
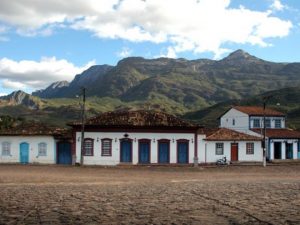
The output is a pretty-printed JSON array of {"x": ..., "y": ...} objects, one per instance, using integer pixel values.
[{"x": 42, "y": 42}]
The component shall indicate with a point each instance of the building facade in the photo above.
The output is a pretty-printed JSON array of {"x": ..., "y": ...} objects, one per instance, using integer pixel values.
[
  {"x": 214, "y": 144},
  {"x": 136, "y": 137},
  {"x": 144, "y": 137},
  {"x": 282, "y": 143},
  {"x": 35, "y": 143}
]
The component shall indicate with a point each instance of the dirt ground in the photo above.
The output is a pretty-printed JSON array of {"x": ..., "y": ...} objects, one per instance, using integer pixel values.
[{"x": 149, "y": 195}]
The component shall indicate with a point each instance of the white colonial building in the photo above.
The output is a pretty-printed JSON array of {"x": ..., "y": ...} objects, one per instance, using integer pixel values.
[
  {"x": 145, "y": 137},
  {"x": 214, "y": 144},
  {"x": 282, "y": 143},
  {"x": 35, "y": 143},
  {"x": 136, "y": 137}
]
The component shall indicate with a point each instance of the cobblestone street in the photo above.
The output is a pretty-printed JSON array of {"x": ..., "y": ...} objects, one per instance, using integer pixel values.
[{"x": 155, "y": 195}]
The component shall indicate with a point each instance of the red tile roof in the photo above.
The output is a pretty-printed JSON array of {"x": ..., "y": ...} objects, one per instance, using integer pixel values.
[
  {"x": 224, "y": 134},
  {"x": 139, "y": 118},
  {"x": 258, "y": 111},
  {"x": 207, "y": 131},
  {"x": 28, "y": 129},
  {"x": 280, "y": 133}
]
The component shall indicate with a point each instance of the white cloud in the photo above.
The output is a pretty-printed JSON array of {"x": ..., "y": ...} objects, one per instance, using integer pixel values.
[
  {"x": 12, "y": 84},
  {"x": 171, "y": 53},
  {"x": 277, "y": 5},
  {"x": 190, "y": 25},
  {"x": 36, "y": 75},
  {"x": 125, "y": 52},
  {"x": 3, "y": 94}
]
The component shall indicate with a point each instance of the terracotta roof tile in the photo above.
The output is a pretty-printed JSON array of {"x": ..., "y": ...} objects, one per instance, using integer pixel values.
[
  {"x": 139, "y": 118},
  {"x": 258, "y": 111},
  {"x": 207, "y": 131},
  {"x": 35, "y": 129},
  {"x": 280, "y": 133},
  {"x": 224, "y": 134}
]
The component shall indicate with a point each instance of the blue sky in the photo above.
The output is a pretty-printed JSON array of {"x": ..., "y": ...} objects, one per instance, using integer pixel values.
[{"x": 46, "y": 41}]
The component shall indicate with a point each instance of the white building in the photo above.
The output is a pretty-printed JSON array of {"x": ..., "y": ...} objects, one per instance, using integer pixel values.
[
  {"x": 136, "y": 137},
  {"x": 282, "y": 143},
  {"x": 34, "y": 143},
  {"x": 214, "y": 144},
  {"x": 144, "y": 137}
]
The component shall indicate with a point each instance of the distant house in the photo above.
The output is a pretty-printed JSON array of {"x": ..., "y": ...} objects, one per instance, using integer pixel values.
[
  {"x": 282, "y": 143},
  {"x": 217, "y": 143},
  {"x": 136, "y": 137},
  {"x": 35, "y": 143}
]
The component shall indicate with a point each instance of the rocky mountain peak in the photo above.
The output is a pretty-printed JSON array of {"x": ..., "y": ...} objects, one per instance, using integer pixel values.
[
  {"x": 239, "y": 55},
  {"x": 16, "y": 97},
  {"x": 59, "y": 84},
  {"x": 21, "y": 98}
]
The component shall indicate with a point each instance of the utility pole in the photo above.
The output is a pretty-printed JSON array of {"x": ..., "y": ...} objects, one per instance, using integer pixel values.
[
  {"x": 82, "y": 125},
  {"x": 265, "y": 99},
  {"x": 264, "y": 140}
]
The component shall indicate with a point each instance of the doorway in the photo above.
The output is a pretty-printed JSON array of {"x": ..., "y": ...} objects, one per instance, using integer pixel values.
[
  {"x": 289, "y": 151},
  {"x": 277, "y": 150},
  {"x": 24, "y": 153},
  {"x": 64, "y": 154},
  {"x": 234, "y": 152},
  {"x": 126, "y": 151}
]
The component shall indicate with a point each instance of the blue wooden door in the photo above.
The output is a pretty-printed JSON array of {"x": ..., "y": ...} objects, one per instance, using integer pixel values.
[
  {"x": 144, "y": 152},
  {"x": 24, "y": 152},
  {"x": 289, "y": 151},
  {"x": 163, "y": 152},
  {"x": 182, "y": 152},
  {"x": 64, "y": 153},
  {"x": 126, "y": 151}
]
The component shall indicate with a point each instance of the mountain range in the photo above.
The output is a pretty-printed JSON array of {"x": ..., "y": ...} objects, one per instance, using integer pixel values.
[
  {"x": 178, "y": 86},
  {"x": 192, "y": 83}
]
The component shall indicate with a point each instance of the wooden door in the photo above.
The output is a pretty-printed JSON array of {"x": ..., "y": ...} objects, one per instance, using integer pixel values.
[
  {"x": 144, "y": 152},
  {"x": 182, "y": 152},
  {"x": 234, "y": 152},
  {"x": 24, "y": 153},
  {"x": 289, "y": 151},
  {"x": 126, "y": 151},
  {"x": 163, "y": 152},
  {"x": 64, "y": 153}
]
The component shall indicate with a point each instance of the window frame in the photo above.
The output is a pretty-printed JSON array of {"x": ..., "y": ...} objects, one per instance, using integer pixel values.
[
  {"x": 110, "y": 149},
  {"x": 276, "y": 123},
  {"x": 218, "y": 148},
  {"x": 258, "y": 123},
  {"x": 8, "y": 151},
  {"x": 39, "y": 149},
  {"x": 250, "y": 148},
  {"x": 92, "y": 146},
  {"x": 268, "y": 123}
]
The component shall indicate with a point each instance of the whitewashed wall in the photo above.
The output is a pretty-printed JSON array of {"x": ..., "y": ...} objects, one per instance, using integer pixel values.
[
  {"x": 33, "y": 142},
  {"x": 241, "y": 120},
  {"x": 283, "y": 148},
  {"x": 207, "y": 151},
  {"x": 97, "y": 159}
]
